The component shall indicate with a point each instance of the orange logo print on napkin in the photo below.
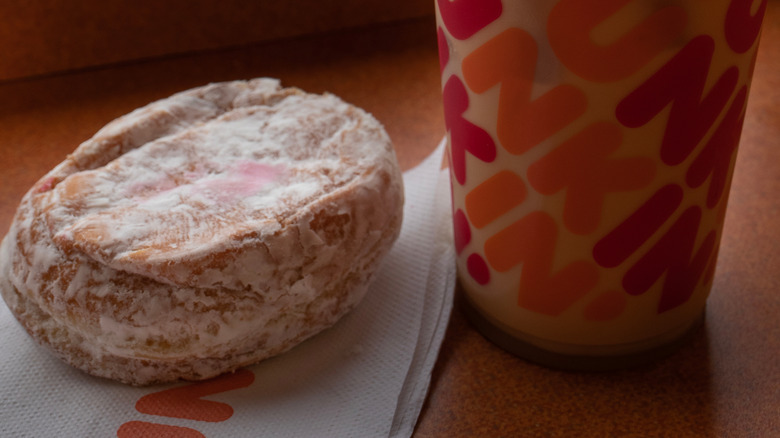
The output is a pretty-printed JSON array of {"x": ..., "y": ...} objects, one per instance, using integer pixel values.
[{"x": 185, "y": 402}]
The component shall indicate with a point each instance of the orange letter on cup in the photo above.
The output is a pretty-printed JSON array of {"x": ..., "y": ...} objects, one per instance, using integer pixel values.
[
  {"x": 570, "y": 27},
  {"x": 583, "y": 166},
  {"x": 531, "y": 241},
  {"x": 521, "y": 123}
]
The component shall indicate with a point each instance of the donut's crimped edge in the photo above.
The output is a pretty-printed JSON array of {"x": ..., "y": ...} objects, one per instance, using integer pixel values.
[{"x": 72, "y": 348}]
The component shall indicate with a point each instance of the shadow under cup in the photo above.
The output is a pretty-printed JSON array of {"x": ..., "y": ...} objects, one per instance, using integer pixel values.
[{"x": 591, "y": 147}]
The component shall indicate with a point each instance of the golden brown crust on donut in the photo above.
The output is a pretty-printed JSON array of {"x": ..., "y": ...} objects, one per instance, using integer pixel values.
[{"x": 204, "y": 232}]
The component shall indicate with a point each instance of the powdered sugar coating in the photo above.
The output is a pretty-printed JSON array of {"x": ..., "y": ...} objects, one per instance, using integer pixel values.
[{"x": 204, "y": 232}]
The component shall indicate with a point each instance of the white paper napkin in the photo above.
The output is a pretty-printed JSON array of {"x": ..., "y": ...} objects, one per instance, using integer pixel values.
[{"x": 365, "y": 377}]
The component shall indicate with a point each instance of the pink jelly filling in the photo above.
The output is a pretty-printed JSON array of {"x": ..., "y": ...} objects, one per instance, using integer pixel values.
[{"x": 244, "y": 178}]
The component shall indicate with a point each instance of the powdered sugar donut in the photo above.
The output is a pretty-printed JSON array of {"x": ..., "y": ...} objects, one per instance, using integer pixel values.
[{"x": 204, "y": 232}]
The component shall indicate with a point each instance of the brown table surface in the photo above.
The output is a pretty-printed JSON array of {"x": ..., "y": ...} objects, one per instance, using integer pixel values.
[{"x": 725, "y": 382}]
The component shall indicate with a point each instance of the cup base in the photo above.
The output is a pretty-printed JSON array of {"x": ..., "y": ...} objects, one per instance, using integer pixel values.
[{"x": 597, "y": 359}]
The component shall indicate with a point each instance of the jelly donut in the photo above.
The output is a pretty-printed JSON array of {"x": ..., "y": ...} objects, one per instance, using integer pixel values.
[{"x": 204, "y": 232}]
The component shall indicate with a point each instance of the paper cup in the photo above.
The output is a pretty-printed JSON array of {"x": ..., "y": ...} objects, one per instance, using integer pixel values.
[{"x": 591, "y": 147}]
